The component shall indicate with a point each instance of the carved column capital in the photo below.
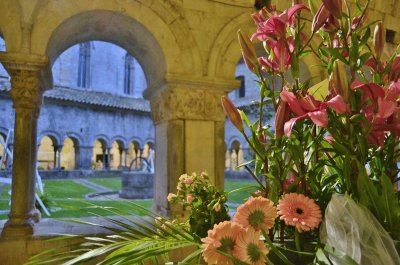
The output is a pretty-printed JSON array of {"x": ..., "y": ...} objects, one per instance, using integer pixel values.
[
  {"x": 188, "y": 99},
  {"x": 30, "y": 77}
]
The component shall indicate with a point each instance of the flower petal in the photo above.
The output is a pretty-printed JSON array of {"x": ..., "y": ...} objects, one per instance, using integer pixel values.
[
  {"x": 385, "y": 108},
  {"x": 293, "y": 102},
  {"x": 319, "y": 117},
  {"x": 337, "y": 104},
  {"x": 289, "y": 124}
]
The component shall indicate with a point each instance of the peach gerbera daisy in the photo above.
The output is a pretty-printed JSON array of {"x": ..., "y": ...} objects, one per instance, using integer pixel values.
[
  {"x": 221, "y": 238},
  {"x": 258, "y": 213},
  {"x": 249, "y": 248},
  {"x": 299, "y": 211}
]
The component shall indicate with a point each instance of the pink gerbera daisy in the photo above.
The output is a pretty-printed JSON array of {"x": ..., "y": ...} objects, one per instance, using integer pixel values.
[
  {"x": 299, "y": 211},
  {"x": 221, "y": 238},
  {"x": 249, "y": 248},
  {"x": 258, "y": 213}
]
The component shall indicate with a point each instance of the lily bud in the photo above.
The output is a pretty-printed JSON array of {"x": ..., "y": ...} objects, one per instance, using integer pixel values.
[
  {"x": 232, "y": 113},
  {"x": 379, "y": 39},
  {"x": 334, "y": 7},
  {"x": 248, "y": 51},
  {"x": 281, "y": 117},
  {"x": 320, "y": 18},
  {"x": 338, "y": 81}
]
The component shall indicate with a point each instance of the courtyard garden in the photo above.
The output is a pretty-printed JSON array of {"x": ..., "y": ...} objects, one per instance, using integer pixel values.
[{"x": 69, "y": 198}]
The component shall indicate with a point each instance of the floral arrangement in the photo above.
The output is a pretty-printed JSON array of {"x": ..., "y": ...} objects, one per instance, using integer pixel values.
[
  {"x": 340, "y": 136},
  {"x": 203, "y": 202},
  {"x": 327, "y": 173}
]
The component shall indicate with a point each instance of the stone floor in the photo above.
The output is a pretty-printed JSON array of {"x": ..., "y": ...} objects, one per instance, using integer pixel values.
[{"x": 49, "y": 226}]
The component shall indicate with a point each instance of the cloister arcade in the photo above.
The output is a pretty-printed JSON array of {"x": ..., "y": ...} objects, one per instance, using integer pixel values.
[{"x": 53, "y": 155}]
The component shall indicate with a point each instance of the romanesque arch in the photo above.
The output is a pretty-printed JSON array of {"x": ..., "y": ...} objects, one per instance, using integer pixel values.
[
  {"x": 10, "y": 25},
  {"x": 70, "y": 153},
  {"x": 48, "y": 153},
  {"x": 144, "y": 30}
]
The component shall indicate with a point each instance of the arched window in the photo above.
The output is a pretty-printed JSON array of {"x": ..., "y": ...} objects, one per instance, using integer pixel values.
[
  {"x": 69, "y": 154},
  {"x": 241, "y": 91},
  {"x": 129, "y": 80},
  {"x": 84, "y": 65},
  {"x": 47, "y": 155}
]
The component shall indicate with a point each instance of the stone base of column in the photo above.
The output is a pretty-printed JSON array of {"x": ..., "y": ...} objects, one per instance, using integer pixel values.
[{"x": 14, "y": 231}]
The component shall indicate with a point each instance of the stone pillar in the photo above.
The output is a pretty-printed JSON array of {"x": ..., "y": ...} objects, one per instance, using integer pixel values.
[
  {"x": 231, "y": 167},
  {"x": 104, "y": 153},
  {"x": 121, "y": 151},
  {"x": 85, "y": 157},
  {"x": 108, "y": 164},
  {"x": 30, "y": 76},
  {"x": 126, "y": 157},
  {"x": 189, "y": 132},
  {"x": 59, "y": 150},
  {"x": 55, "y": 157},
  {"x": 77, "y": 157}
]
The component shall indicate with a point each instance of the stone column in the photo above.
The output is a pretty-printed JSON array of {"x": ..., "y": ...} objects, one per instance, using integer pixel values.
[
  {"x": 77, "y": 157},
  {"x": 108, "y": 164},
  {"x": 189, "y": 132},
  {"x": 55, "y": 157},
  {"x": 121, "y": 151},
  {"x": 126, "y": 157},
  {"x": 59, "y": 150},
  {"x": 104, "y": 153},
  {"x": 85, "y": 157},
  {"x": 231, "y": 167},
  {"x": 30, "y": 76}
]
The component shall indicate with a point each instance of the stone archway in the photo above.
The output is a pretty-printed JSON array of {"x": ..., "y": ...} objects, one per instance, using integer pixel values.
[{"x": 185, "y": 99}]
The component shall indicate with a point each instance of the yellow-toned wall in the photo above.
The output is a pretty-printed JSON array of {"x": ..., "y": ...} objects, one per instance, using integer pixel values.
[
  {"x": 45, "y": 155},
  {"x": 68, "y": 155},
  {"x": 1, "y": 149}
]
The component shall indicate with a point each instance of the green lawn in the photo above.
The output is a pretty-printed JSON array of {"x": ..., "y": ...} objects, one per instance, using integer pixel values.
[
  {"x": 85, "y": 208},
  {"x": 64, "y": 189},
  {"x": 70, "y": 201},
  {"x": 239, "y": 196},
  {"x": 111, "y": 183}
]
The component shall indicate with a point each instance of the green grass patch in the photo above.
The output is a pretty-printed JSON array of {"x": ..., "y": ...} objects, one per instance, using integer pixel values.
[
  {"x": 110, "y": 183},
  {"x": 4, "y": 206},
  {"x": 239, "y": 196},
  {"x": 85, "y": 208},
  {"x": 5, "y": 189},
  {"x": 63, "y": 189}
]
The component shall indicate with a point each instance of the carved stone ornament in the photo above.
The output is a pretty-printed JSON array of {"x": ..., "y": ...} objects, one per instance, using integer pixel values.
[
  {"x": 30, "y": 77},
  {"x": 185, "y": 103},
  {"x": 189, "y": 99}
]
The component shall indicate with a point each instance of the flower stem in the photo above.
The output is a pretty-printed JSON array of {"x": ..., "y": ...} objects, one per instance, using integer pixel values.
[
  {"x": 276, "y": 250},
  {"x": 298, "y": 244}
]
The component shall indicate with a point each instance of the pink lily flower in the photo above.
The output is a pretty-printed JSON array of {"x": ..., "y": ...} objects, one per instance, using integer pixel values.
[
  {"x": 370, "y": 91},
  {"x": 334, "y": 7},
  {"x": 275, "y": 26},
  {"x": 395, "y": 69},
  {"x": 381, "y": 109},
  {"x": 280, "y": 58},
  {"x": 325, "y": 19},
  {"x": 310, "y": 108}
]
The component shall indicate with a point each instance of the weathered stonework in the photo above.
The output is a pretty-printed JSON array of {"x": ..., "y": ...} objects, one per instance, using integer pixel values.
[{"x": 27, "y": 81}]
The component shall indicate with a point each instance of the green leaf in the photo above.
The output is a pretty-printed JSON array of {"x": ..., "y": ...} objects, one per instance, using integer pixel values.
[
  {"x": 244, "y": 118},
  {"x": 339, "y": 254},
  {"x": 321, "y": 257},
  {"x": 366, "y": 37}
]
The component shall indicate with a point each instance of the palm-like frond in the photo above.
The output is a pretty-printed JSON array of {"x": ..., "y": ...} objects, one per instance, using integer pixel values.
[{"x": 133, "y": 240}]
